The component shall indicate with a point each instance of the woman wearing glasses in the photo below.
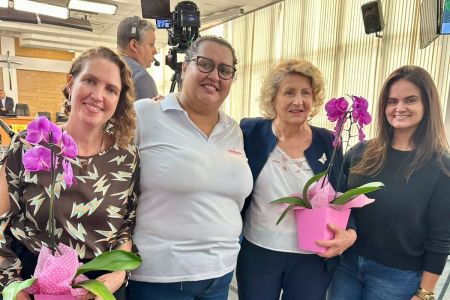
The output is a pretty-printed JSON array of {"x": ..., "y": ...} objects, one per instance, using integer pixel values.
[{"x": 195, "y": 178}]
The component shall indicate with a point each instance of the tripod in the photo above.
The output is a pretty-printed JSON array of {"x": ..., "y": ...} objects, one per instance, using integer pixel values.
[{"x": 176, "y": 78}]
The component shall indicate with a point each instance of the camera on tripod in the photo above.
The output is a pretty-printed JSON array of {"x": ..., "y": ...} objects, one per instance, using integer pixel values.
[{"x": 183, "y": 29}]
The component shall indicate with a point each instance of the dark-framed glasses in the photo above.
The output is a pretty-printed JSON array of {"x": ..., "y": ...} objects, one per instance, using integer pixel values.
[{"x": 206, "y": 65}]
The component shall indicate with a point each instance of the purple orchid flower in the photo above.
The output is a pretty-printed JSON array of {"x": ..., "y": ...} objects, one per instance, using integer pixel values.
[
  {"x": 361, "y": 134},
  {"x": 69, "y": 146},
  {"x": 338, "y": 130},
  {"x": 68, "y": 173},
  {"x": 38, "y": 130},
  {"x": 360, "y": 113},
  {"x": 336, "y": 108},
  {"x": 37, "y": 158},
  {"x": 364, "y": 118}
]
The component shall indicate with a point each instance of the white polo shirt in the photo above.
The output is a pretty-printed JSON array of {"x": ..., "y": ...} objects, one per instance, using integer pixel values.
[{"x": 193, "y": 188}]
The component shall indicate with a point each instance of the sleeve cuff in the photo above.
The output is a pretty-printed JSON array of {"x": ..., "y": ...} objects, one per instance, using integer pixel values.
[{"x": 434, "y": 262}]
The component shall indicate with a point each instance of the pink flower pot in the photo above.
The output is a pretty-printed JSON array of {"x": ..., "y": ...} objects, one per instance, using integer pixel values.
[
  {"x": 312, "y": 226},
  {"x": 54, "y": 297}
]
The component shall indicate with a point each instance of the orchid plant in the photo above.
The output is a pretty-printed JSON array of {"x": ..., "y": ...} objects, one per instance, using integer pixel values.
[
  {"x": 318, "y": 192},
  {"x": 58, "y": 271},
  {"x": 38, "y": 158}
]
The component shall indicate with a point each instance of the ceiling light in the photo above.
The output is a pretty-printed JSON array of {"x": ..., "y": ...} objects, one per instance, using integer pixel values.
[
  {"x": 4, "y": 3},
  {"x": 42, "y": 8},
  {"x": 90, "y": 6}
]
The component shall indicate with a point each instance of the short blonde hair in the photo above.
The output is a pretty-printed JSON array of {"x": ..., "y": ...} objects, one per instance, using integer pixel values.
[{"x": 276, "y": 75}]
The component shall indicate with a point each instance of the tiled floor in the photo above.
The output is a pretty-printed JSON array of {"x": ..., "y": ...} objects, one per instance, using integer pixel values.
[{"x": 233, "y": 290}]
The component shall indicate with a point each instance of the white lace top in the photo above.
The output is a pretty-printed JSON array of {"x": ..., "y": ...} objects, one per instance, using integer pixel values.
[{"x": 281, "y": 176}]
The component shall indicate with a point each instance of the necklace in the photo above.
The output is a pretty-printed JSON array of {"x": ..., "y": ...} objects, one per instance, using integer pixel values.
[{"x": 100, "y": 147}]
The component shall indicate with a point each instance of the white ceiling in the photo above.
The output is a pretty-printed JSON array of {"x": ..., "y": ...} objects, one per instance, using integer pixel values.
[{"x": 105, "y": 26}]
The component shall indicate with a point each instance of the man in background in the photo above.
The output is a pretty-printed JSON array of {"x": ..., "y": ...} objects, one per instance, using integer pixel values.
[
  {"x": 6, "y": 103},
  {"x": 136, "y": 43}
]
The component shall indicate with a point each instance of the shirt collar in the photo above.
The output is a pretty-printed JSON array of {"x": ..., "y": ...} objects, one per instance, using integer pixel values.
[{"x": 170, "y": 102}]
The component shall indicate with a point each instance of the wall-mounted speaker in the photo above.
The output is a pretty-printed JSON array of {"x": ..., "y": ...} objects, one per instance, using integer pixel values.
[{"x": 372, "y": 16}]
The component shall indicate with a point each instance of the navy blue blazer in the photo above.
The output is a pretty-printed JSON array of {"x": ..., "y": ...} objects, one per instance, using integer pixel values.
[
  {"x": 259, "y": 141},
  {"x": 9, "y": 104}
]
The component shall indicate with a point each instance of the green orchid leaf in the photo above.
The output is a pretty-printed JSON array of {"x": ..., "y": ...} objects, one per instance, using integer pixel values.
[
  {"x": 114, "y": 260},
  {"x": 97, "y": 288},
  {"x": 291, "y": 200},
  {"x": 309, "y": 183},
  {"x": 363, "y": 189},
  {"x": 11, "y": 290},
  {"x": 285, "y": 212}
]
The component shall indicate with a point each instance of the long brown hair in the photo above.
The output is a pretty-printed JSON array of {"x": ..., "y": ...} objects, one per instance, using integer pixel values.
[
  {"x": 429, "y": 138},
  {"x": 123, "y": 122}
]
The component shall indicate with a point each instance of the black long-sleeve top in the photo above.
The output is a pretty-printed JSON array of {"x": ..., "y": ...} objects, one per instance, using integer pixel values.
[{"x": 408, "y": 225}]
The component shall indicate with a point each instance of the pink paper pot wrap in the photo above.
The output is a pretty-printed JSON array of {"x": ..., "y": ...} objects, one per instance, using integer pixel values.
[
  {"x": 312, "y": 226},
  {"x": 55, "y": 274},
  {"x": 54, "y": 297}
]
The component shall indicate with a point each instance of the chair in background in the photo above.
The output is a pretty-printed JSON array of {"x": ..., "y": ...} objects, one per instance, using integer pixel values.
[
  {"x": 22, "y": 109},
  {"x": 61, "y": 117},
  {"x": 46, "y": 114}
]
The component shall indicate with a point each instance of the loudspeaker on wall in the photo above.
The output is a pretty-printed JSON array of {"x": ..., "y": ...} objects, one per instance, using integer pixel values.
[{"x": 372, "y": 16}]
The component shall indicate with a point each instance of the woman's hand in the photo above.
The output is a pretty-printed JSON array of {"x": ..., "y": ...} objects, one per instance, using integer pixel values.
[
  {"x": 415, "y": 298},
  {"x": 113, "y": 280},
  {"x": 23, "y": 296},
  {"x": 157, "y": 98},
  {"x": 343, "y": 239}
]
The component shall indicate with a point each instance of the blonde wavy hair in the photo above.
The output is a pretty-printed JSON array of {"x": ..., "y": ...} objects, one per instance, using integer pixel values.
[
  {"x": 276, "y": 75},
  {"x": 122, "y": 124}
]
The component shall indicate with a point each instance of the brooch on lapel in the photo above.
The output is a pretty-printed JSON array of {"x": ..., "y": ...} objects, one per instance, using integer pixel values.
[{"x": 323, "y": 159}]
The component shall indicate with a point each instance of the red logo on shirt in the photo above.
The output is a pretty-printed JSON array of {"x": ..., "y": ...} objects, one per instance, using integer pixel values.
[{"x": 234, "y": 151}]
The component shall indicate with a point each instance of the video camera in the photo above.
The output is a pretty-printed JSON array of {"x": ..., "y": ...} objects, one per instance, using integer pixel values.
[{"x": 183, "y": 28}]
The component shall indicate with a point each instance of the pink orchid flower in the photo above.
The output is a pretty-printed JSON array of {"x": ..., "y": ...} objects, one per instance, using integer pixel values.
[
  {"x": 336, "y": 108},
  {"x": 68, "y": 173},
  {"x": 37, "y": 159},
  {"x": 69, "y": 146},
  {"x": 38, "y": 130}
]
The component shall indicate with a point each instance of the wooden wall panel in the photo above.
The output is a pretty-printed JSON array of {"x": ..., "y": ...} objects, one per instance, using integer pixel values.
[
  {"x": 41, "y": 91},
  {"x": 43, "y": 53}
]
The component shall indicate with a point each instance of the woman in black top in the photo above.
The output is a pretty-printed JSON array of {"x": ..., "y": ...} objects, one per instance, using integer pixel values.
[{"x": 404, "y": 237}]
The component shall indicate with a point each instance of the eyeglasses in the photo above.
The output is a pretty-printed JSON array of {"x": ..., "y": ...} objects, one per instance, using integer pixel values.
[{"x": 206, "y": 65}]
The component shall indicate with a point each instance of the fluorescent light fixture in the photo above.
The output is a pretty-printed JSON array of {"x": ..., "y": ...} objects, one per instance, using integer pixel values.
[
  {"x": 4, "y": 3},
  {"x": 91, "y": 6},
  {"x": 42, "y": 8}
]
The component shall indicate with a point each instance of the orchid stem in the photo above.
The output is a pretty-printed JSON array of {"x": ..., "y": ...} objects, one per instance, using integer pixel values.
[
  {"x": 330, "y": 166},
  {"x": 52, "y": 196}
]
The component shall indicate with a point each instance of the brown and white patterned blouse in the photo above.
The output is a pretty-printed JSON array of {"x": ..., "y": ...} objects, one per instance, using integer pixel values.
[{"x": 96, "y": 214}]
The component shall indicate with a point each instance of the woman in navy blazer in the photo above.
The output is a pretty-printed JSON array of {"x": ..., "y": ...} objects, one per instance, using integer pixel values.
[{"x": 283, "y": 152}]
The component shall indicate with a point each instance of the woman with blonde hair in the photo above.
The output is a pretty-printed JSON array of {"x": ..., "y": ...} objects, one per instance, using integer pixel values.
[
  {"x": 97, "y": 213},
  {"x": 404, "y": 236},
  {"x": 283, "y": 152}
]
